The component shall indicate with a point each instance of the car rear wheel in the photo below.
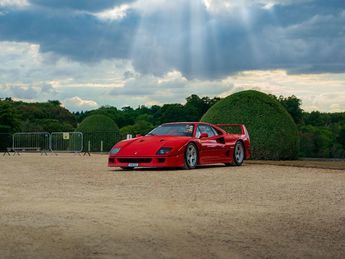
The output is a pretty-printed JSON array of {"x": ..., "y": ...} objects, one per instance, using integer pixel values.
[
  {"x": 191, "y": 156},
  {"x": 238, "y": 153}
]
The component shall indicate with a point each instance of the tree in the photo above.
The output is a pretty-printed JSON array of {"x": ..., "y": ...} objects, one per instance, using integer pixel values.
[
  {"x": 55, "y": 102},
  {"x": 9, "y": 117},
  {"x": 317, "y": 118},
  {"x": 140, "y": 127},
  {"x": 341, "y": 137},
  {"x": 171, "y": 113},
  {"x": 293, "y": 105},
  {"x": 316, "y": 141},
  {"x": 196, "y": 107},
  {"x": 154, "y": 109}
]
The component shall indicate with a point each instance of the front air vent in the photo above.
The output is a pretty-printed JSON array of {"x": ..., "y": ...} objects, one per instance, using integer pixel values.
[
  {"x": 161, "y": 160},
  {"x": 134, "y": 160}
]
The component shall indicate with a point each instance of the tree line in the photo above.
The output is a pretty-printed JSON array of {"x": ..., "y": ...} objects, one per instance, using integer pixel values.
[{"x": 322, "y": 135}]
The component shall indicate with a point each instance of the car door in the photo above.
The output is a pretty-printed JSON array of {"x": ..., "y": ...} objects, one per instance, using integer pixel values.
[{"x": 212, "y": 149}]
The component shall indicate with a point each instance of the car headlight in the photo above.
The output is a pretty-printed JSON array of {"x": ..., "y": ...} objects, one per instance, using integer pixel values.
[
  {"x": 163, "y": 150},
  {"x": 115, "y": 150}
]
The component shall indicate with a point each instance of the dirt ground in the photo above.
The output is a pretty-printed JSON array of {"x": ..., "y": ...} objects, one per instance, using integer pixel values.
[{"x": 69, "y": 206}]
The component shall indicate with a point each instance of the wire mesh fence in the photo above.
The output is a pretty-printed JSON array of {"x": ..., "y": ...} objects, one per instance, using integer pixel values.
[
  {"x": 66, "y": 142},
  {"x": 100, "y": 141},
  {"x": 60, "y": 142}
]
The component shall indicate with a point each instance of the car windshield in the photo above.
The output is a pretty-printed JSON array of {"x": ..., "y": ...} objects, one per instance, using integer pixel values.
[{"x": 179, "y": 129}]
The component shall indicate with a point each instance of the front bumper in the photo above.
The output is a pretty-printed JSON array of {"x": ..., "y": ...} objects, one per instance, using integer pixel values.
[{"x": 155, "y": 161}]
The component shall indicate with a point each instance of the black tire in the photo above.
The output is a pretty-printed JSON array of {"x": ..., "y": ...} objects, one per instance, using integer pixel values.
[
  {"x": 191, "y": 156},
  {"x": 239, "y": 154}
]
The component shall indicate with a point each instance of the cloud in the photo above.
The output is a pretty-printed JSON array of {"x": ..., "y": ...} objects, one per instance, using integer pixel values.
[
  {"x": 27, "y": 92},
  {"x": 79, "y": 36},
  {"x": 226, "y": 6},
  {"x": 313, "y": 46},
  {"x": 199, "y": 43},
  {"x": 13, "y": 3},
  {"x": 208, "y": 46},
  {"x": 171, "y": 87},
  {"x": 77, "y": 104},
  {"x": 323, "y": 92},
  {"x": 116, "y": 13},
  {"x": 25, "y": 63},
  {"x": 86, "y": 5},
  {"x": 48, "y": 89},
  {"x": 28, "y": 74},
  {"x": 24, "y": 92}
]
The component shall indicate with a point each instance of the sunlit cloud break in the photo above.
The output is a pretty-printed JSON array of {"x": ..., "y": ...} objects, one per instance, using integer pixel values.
[{"x": 117, "y": 13}]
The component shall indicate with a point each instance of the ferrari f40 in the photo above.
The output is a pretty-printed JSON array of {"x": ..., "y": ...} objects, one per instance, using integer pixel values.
[{"x": 183, "y": 144}]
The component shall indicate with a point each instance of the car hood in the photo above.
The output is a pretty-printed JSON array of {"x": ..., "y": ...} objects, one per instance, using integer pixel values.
[{"x": 149, "y": 145}]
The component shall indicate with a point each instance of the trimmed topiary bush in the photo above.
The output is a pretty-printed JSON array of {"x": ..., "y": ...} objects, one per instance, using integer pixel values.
[
  {"x": 97, "y": 122},
  {"x": 274, "y": 134},
  {"x": 99, "y": 129}
]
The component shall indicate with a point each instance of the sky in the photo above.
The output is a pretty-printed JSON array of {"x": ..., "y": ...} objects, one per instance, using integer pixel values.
[{"x": 89, "y": 53}]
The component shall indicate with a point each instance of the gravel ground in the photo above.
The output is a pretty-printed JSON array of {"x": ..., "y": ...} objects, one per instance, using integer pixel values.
[
  {"x": 320, "y": 164},
  {"x": 69, "y": 206}
]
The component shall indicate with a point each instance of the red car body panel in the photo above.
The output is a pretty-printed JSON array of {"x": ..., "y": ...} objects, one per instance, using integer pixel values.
[{"x": 142, "y": 151}]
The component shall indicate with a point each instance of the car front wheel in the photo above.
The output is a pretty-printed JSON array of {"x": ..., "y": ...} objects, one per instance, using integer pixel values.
[{"x": 191, "y": 156}]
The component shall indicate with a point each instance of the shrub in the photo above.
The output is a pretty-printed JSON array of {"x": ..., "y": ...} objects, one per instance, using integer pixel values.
[
  {"x": 96, "y": 123},
  {"x": 274, "y": 135},
  {"x": 99, "y": 128}
]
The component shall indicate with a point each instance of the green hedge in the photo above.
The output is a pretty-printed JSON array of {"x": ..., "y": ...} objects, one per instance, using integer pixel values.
[
  {"x": 97, "y": 122},
  {"x": 97, "y": 129},
  {"x": 274, "y": 135}
]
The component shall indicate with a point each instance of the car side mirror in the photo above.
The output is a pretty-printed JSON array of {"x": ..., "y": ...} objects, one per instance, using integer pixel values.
[
  {"x": 204, "y": 135},
  {"x": 138, "y": 135}
]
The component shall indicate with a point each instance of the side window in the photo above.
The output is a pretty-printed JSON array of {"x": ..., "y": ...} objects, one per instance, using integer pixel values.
[
  {"x": 215, "y": 131},
  {"x": 205, "y": 129},
  {"x": 198, "y": 133}
]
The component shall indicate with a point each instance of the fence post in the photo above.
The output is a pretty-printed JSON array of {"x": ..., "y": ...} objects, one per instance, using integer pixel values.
[
  {"x": 88, "y": 148},
  {"x": 101, "y": 146},
  {"x": 50, "y": 143}
]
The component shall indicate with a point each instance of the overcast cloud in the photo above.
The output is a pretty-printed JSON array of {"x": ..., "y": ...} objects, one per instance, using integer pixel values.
[{"x": 90, "y": 53}]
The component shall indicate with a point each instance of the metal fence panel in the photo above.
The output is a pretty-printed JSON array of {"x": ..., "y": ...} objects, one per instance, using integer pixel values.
[
  {"x": 66, "y": 142},
  {"x": 60, "y": 141},
  {"x": 100, "y": 141},
  {"x": 31, "y": 141},
  {"x": 5, "y": 141}
]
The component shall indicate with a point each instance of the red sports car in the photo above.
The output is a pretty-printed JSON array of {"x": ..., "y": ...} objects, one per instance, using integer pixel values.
[{"x": 183, "y": 144}]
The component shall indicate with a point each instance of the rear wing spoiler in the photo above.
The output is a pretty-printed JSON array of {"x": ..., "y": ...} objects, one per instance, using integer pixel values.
[{"x": 241, "y": 126}]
